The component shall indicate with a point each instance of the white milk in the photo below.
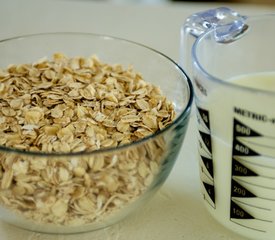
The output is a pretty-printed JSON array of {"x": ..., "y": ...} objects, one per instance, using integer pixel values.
[
  {"x": 262, "y": 81},
  {"x": 237, "y": 155}
]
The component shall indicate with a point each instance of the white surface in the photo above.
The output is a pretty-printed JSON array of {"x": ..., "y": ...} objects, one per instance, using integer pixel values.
[{"x": 176, "y": 212}]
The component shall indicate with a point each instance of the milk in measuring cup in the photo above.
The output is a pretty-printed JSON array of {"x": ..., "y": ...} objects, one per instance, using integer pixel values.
[
  {"x": 262, "y": 81},
  {"x": 237, "y": 156}
]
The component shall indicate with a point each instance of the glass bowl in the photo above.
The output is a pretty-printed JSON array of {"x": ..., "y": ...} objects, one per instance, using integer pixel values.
[{"x": 48, "y": 192}]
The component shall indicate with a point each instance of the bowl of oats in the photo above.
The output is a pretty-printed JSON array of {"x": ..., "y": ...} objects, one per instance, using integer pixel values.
[{"x": 90, "y": 128}]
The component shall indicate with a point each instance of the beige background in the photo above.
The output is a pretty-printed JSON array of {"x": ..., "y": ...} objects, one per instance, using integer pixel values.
[{"x": 176, "y": 212}]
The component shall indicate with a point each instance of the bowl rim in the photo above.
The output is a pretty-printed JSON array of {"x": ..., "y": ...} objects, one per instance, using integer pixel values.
[{"x": 84, "y": 153}]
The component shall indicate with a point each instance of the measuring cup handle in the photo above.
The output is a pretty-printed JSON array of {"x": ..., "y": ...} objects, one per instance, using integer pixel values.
[{"x": 199, "y": 23}]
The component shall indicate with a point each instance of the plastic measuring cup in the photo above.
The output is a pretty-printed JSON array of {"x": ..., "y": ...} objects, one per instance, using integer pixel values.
[{"x": 236, "y": 123}]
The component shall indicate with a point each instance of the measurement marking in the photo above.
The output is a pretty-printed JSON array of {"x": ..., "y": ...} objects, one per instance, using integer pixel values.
[
  {"x": 237, "y": 200},
  {"x": 210, "y": 190},
  {"x": 243, "y": 130},
  {"x": 252, "y": 163},
  {"x": 210, "y": 203},
  {"x": 263, "y": 150},
  {"x": 265, "y": 136},
  {"x": 206, "y": 174},
  {"x": 254, "y": 143},
  {"x": 203, "y": 114},
  {"x": 239, "y": 169},
  {"x": 264, "y": 220},
  {"x": 268, "y": 199},
  {"x": 205, "y": 141},
  {"x": 204, "y": 155},
  {"x": 202, "y": 126},
  {"x": 208, "y": 164},
  {"x": 259, "y": 230},
  {"x": 205, "y": 152},
  {"x": 252, "y": 184}
]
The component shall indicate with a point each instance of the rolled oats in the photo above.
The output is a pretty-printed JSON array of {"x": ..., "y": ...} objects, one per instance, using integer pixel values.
[{"x": 77, "y": 104}]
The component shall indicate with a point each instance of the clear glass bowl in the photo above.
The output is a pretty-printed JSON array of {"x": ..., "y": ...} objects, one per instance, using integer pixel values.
[{"x": 43, "y": 205}]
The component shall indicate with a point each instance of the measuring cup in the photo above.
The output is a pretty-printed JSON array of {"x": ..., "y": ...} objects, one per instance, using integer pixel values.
[{"x": 236, "y": 122}]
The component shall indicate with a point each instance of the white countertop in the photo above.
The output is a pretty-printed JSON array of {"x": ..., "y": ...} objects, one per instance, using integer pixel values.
[{"x": 176, "y": 211}]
